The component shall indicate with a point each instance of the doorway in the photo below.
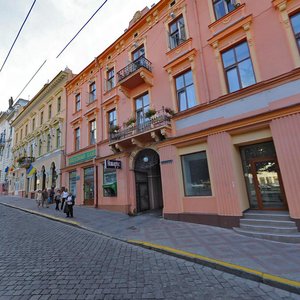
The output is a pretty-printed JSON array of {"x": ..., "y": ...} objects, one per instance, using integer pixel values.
[
  {"x": 263, "y": 178},
  {"x": 148, "y": 181}
]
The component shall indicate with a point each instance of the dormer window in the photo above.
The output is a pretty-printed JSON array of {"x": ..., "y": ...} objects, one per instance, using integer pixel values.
[
  {"x": 223, "y": 7},
  {"x": 177, "y": 33}
]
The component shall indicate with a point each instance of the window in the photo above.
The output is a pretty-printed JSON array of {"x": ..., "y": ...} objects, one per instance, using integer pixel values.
[
  {"x": 21, "y": 135},
  {"x": 77, "y": 102},
  {"x": 110, "y": 75},
  {"x": 295, "y": 20},
  {"x": 40, "y": 147},
  {"x": 92, "y": 92},
  {"x": 48, "y": 142},
  {"x": 93, "y": 137},
  {"x": 140, "y": 52},
  {"x": 238, "y": 67},
  {"x": 223, "y": 7},
  {"x": 185, "y": 91},
  {"x": 112, "y": 118},
  {"x": 89, "y": 184},
  {"x": 49, "y": 112},
  {"x": 72, "y": 182},
  {"x": 195, "y": 174},
  {"x": 26, "y": 130},
  {"x": 31, "y": 150},
  {"x": 177, "y": 32},
  {"x": 33, "y": 124},
  {"x": 142, "y": 105},
  {"x": 16, "y": 138},
  {"x": 42, "y": 117},
  {"x": 58, "y": 137},
  {"x": 109, "y": 183},
  {"x": 58, "y": 104},
  {"x": 77, "y": 139}
]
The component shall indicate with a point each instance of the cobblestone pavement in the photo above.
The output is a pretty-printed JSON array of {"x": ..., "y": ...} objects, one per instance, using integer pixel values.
[{"x": 43, "y": 259}]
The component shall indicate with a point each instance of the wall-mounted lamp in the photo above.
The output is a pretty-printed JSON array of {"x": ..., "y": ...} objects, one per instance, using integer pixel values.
[{"x": 172, "y": 15}]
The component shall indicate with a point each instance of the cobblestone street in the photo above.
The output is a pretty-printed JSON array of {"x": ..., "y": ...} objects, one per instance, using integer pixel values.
[{"x": 43, "y": 259}]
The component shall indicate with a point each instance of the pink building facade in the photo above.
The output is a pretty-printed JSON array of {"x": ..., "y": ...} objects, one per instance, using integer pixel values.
[{"x": 194, "y": 110}]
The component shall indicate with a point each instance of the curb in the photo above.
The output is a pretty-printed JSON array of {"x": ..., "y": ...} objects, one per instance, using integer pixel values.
[{"x": 244, "y": 272}]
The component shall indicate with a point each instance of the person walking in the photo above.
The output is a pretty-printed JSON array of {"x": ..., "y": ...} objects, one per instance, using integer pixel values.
[
  {"x": 64, "y": 196},
  {"x": 57, "y": 198},
  {"x": 51, "y": 194},
  {"x": 45, "y": 197},
  {"x": 70, "y": 201},
  {"x": 39, "y": 198}
]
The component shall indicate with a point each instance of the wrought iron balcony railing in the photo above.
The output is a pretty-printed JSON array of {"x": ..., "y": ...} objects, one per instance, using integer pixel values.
[
  {"x": 161, "y": 118},
  {"x": 133, "y": 66}
]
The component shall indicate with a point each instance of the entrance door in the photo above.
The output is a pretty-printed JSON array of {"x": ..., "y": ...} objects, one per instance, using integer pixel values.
[
  {"x": 267, "y": 183},
  {"x": 142, "y": 191}
]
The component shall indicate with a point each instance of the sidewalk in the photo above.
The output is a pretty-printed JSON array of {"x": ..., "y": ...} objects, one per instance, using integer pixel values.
[{"x": 185, "y": 239}]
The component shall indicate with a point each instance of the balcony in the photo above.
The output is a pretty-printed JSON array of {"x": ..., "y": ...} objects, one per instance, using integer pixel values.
[
  {"x": 153, "y": 129},
  {"x": 136, "y": 73},
  {"x": 25, "y": 161}
]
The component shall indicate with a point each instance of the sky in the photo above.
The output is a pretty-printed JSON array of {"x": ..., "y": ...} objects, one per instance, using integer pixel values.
[{"x": 49, "y": 27}]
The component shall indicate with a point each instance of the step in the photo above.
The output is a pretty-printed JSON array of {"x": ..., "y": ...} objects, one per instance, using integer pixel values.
[
  {"x": 273, "y": 223},
  {"x": 269, "y": 229},
  {"x": 285, "y": 238},
  {"x": 267, "y": 216}
]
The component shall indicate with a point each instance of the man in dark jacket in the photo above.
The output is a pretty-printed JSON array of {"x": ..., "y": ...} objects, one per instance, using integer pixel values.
[{"x": 70, "y": 201}]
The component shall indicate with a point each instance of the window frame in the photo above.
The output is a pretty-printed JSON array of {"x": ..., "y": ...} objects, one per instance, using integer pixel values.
[
  {"x": 77, "y": 102},
  {"x": 138, "y": 51},
  {"x": 296, "y": 35},
  {"x": 49, "y": 111},
  {"x": 58, "y": 138},
  {"x": 177, "y": 37},
  {"x": 77, "y": 139},
  {"x": 48, "y": 142},
  {"x": 58, "y": 104},
  {"x": 92, "y": 92},
  {"x": 235, "y": 66},
  {"x": 226, "y": 6},
  {"x": 33, "y": 124},
  {"x": 92, "y": 132},
  {"x": 110, "y": 79},
  {"x": 184, "y": 89},
  {"x": 41, "y": 117}
]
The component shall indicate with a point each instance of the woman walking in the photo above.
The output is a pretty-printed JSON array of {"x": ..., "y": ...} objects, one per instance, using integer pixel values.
[
  {"x": 39, "y": 198},
  {"x": 57, "y": 198},
  {"x": 64, "y": 196}
]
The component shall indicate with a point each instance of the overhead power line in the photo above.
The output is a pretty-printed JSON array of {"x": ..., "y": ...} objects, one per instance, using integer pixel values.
[
  {"x": 18, "y": 35},
  {"x": 31, "y": 79},
  {"x": 81, "y": 29}
]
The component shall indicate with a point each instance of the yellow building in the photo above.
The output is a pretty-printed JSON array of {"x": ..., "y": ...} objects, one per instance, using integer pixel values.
[{"x": 39, "y": 139}]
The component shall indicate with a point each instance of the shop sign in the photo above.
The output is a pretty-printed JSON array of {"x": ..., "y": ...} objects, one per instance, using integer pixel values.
[
  {"x": 79, "y": 158},
  {"x": 112, "y": 164}
]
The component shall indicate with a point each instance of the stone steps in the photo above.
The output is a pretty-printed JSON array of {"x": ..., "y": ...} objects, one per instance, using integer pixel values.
[{"x": 270, "y": 225}]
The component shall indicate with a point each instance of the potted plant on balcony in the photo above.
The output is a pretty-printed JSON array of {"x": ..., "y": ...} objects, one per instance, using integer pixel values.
[
  {"x": 130, "y": 122},
  {"x": 114, "y": 128},
  {"x": 169, "y": 111},
  {"x": 150, "y": 114}
]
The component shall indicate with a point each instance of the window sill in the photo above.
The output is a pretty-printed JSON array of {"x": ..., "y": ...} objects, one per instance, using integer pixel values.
[
  {"x": 91, "y": 102},
  {"x": 182, "y": 45}
]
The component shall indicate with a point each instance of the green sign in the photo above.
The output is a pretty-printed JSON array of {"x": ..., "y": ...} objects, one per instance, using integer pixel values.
[{"x": 82, "y": 157}]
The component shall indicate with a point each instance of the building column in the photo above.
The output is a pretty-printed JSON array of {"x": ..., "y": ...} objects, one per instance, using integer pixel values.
[
  {"x": 223, "y": 175},
  {"x": 285, "y": 132}
]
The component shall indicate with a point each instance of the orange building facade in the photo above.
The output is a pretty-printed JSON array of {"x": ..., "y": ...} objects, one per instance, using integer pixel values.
[{"x": 194, "y": 110}]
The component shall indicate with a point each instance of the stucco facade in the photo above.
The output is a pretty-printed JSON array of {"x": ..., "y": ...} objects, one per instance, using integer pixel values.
[
  {"x": 223, "y": 86},
  {"x": 40, "y": 139}
]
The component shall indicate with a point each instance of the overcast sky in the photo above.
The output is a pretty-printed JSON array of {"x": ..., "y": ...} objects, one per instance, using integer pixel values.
[{"x": 50, "y": 26}]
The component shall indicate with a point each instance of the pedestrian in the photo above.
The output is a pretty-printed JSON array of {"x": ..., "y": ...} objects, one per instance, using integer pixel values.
[
  {"x": 64, "y": 196},
  {"x": 45, "y": 197},
  {"x": 70, "y": 201},
  {"x": 39, "y": 198},
  {"x": 57, "y": 198},
  {"x": 51, "y": 194}
]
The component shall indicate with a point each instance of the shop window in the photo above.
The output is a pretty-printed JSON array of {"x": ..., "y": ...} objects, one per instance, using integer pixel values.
[
  {"x": 196, "y": 175},
  {"x": 110, "y": 75},
  {"x": 177, "y": 33},
  {"x": 295, "y": 21},
  {"x": 92, "y": 92},
  {"x": 72, "y": 182},
  {"x": 238, "y": 67},
  {"x": 185, "y": 91},
  {"x": 223, "y": 7},
  {"x": 89, "y": 184},
  {"x": 110, "y": 183}
]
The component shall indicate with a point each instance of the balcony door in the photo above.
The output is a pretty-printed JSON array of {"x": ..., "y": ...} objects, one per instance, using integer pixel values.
[{"x": 141, "y": 107}]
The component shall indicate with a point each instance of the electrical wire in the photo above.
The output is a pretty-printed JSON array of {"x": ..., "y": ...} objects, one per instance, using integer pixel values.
[
  {"x": 81, "y": 29},
  {"x": 18, "y": 35},
  {"x": 31, "y": 79}
]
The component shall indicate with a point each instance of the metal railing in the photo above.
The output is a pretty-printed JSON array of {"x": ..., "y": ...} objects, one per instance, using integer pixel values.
[
  {"x": 161, "y": 118},
  {"x": 133, "y": 66}
]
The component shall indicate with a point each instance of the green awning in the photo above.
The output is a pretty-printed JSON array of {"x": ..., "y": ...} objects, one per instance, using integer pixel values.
[{"x": 112, "y": 186}]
